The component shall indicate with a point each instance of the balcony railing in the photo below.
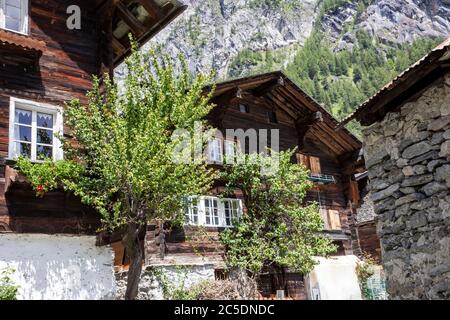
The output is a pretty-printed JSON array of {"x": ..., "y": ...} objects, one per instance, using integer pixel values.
[{"x": 322, "y": 178}]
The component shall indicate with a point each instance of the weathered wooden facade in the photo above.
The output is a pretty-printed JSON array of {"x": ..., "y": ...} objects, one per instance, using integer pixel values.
[
  {"x": 43, "y": 64},
  {"x": 272, "y": 101}
]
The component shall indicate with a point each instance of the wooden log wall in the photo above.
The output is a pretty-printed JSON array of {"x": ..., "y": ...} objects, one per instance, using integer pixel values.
[
  {"x": 368, "y": 239},
  {"x": 63, "y": 72}
]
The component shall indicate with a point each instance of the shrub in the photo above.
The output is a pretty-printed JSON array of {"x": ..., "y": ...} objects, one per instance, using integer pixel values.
[{"x": 8, "y": 290}]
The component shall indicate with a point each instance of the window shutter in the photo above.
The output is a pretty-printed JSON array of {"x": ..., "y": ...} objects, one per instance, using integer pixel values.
[
  {"x": 315, "y": 165},
  {"x": 324, "y": 215},
  {"x": 334, "y": 219},
  {"x": 304, "y": 160}
]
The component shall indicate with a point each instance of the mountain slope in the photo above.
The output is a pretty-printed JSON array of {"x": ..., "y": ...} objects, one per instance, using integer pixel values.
[{"x": 339, "y": 51}]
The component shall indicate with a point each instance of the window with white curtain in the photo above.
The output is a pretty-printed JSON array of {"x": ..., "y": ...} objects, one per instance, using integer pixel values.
[
  {"x": 14, "y": 15},
  {"x": 32, "y": 130},
  {"x": 231, "y": 150},
  {"x": 215, "y": 151},
  {"x": 219, "y": 149},
  {"x": 213, "y": 211}
]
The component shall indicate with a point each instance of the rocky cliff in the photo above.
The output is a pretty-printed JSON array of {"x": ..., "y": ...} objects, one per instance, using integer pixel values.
[{"x": 232, "y": 37}]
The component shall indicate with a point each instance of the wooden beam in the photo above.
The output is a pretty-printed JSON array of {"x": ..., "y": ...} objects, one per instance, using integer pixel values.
[
  {"x": 222, "y": 102},
  {"x": 303, "y": 125},
  {"x": 152, "y": 8},
  {"x": 268, "y": 87},
  {"x": 284, "y": 105},
  {"x": 134, "y": 24},
  {"x": 117, "y": 45}
]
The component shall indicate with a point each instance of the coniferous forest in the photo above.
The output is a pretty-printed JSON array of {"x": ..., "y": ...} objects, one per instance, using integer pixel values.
[{"x": 343, "y": 80}]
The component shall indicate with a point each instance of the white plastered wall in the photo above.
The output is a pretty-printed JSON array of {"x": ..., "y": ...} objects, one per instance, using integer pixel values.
[{"x": 58, "y": 267}]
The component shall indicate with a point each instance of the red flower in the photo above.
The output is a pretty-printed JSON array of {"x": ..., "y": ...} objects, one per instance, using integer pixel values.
[{"x": 40, "y": 188}]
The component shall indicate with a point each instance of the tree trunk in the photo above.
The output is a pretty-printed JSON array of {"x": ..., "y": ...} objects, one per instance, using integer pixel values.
[{"x": 134, "y": 252}]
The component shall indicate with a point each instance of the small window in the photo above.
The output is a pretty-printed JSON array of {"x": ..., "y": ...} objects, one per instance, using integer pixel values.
[
  {"x": 244, "y": 108},
  {"x": 231, "y": 151},
  {"x": 14, "y": 15},
  {"x": 211, "y": 211},
  {"x": 221, "y": 274},
  {"x": 32, "y": 131},
  {"x": 272, "y": 117},
  {"x": 232, "y": 209},
  {"x": 215, "y": 151},
  {"x": 192, "y": 212}
]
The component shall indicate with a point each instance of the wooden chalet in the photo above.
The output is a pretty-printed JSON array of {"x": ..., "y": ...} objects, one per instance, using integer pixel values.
[
  {"x": 268, "y": 101},
  {"x": 44, "y": 64}
]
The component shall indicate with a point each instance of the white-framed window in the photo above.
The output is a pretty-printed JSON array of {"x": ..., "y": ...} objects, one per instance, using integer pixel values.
[
  {"x": 218, "y": 149},
  {"x": 232, "y": 211},
  {"x": 14, "y": 15},
  {"x": 213, "y": 211},
  {"x": 215, "y": 151},
  {"x": 32, "y": 129},
  {"x": 192, "y": 212}
]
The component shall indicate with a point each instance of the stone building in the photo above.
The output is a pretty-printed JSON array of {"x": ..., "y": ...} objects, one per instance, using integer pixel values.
[{"x": 407, "y": 153}]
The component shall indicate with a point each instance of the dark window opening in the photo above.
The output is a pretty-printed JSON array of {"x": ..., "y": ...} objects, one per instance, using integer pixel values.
[
  {"x": 244, "y": 108},
  {"x": 221, "y": 274},
  {"x": 272, "y": 117}
]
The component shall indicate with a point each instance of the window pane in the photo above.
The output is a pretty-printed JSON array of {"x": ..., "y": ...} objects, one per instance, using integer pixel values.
[
  {"x": 44, "y": 152},
  {"x": 23, "y": 149},
  {"x": 207, "y": 211},
  {"x": 44, "y": 120},
  {"x": 22, "y": 133},
  {"x": 227, "y": 213},
  {"x": 243, "y": 108},
  {"x": 12, "y": 24},
  {"x": 44, "y": 136},
  {"x": 230, "y": 150},
  {"x": 192, "y": 212},
  {"x": 13, "y": 13},
  {"x": 13, "y": 3},
  {"x": 215, "y": 150},
  {"x": 23, "y": 117}
]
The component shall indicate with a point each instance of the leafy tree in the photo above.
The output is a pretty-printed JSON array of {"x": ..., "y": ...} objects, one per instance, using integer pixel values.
[
  {"x": 278, "y": 229},
  {"x": 122, "y": 162},
  {"x": 8, "y": 290}
]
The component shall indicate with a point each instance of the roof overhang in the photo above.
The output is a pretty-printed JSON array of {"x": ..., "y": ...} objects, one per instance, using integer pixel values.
[
  {"x": 142, "y": 18},
  {"x": 277, "y": 89}
]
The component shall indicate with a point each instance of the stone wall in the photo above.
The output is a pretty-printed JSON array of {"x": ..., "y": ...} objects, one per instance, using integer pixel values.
[
  {"x": 180, "y": 277},
  {"x": 408, "y": 158},
  {"x": 54, "y": 267},
  {"x": 365, "y": 212}
]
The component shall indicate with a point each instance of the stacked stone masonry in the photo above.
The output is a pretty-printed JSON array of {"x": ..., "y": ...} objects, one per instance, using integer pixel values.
[{"x": 408, "y": 158}]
